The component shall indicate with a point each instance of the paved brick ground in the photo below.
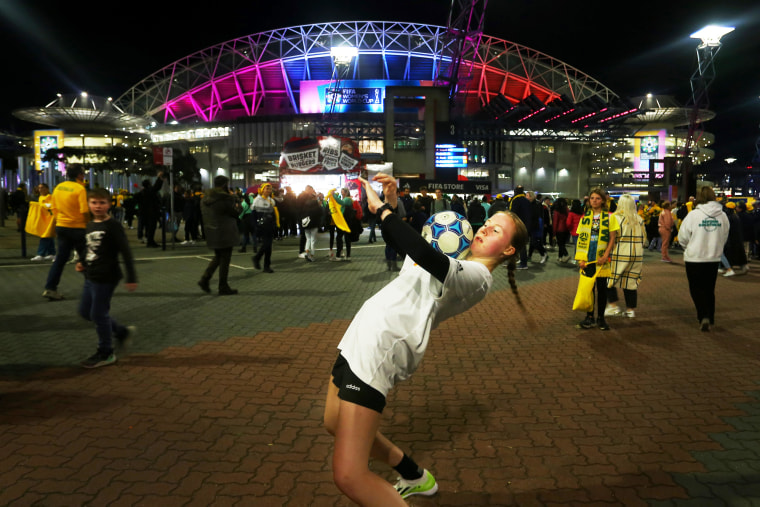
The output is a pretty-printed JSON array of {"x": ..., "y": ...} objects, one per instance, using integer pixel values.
[{"x": 220, "y": 401}]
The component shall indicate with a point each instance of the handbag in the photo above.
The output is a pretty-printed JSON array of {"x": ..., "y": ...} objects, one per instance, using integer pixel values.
[
  {"x": 584, "y": 295},
  {"x": 305, "y": 221},
  {"x": 265, "y": 222}
]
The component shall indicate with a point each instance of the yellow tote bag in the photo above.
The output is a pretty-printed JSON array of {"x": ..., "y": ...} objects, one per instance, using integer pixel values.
[
  {"x": 584, "y": 296},
  {"x": 40, "y": 221}
]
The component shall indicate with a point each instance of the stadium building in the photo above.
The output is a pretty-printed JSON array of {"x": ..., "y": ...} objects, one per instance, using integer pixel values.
[{"x": 516, "y": 115}]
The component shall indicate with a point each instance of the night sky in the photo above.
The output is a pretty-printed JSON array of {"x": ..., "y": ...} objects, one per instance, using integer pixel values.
[{"x": 58, "y": 47}]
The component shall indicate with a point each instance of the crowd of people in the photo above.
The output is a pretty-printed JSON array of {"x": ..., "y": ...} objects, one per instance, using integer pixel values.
[{"x": 605, "y": 237}]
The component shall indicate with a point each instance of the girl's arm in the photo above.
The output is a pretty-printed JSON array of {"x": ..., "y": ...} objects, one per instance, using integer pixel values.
[
  {"x": 402, "y": 238},
  {"x": 400, "y": 235}
]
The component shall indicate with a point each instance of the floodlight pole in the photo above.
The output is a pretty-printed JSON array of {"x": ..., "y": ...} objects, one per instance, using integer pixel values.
[
  {"x": 700, "y": 81},
  {"x": 342, "y": 57}
]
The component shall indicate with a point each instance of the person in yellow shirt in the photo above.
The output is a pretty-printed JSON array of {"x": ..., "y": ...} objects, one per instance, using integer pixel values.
[{"x": 72, "y": 214}]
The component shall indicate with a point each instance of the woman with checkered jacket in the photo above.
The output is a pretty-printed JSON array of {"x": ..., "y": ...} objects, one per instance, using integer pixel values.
[{"x": 627, "y": 258}]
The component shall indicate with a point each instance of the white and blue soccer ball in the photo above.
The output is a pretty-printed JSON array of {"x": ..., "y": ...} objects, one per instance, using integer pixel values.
[{"x": 449, "y": 232}]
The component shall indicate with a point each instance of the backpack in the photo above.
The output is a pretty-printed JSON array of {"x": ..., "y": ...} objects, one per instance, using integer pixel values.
[
  {"x": 357, "y": 210},
  {"x": 353, "y": 223}
]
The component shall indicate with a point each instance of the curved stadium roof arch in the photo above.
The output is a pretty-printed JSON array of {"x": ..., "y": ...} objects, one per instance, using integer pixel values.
[{"x": 260, "y": 74}]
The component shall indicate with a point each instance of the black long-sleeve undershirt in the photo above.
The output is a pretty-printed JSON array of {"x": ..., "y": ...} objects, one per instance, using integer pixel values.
[{"x": 404, "y": 239}]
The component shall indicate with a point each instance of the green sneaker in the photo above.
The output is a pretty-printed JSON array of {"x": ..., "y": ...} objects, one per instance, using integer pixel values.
[
  {"x": 97, "y": 360},
  {"x": 425, "y": 485}
]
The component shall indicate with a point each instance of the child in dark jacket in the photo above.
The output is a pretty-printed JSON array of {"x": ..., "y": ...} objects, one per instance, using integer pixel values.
[{"x": 105, "y": 241}]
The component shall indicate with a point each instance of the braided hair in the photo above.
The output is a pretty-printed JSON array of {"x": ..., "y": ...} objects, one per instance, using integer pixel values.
[{"x": 519, "y": 241}]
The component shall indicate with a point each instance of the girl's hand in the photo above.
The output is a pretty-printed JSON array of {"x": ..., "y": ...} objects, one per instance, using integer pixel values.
[
  {"x": 79, "y": 267},
  {"x": 373, "y": 200},
  {"x": 389, "y": 188}
]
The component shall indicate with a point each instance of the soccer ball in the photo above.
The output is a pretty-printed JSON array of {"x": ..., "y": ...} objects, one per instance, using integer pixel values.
[{"x": 449, "y": 232}]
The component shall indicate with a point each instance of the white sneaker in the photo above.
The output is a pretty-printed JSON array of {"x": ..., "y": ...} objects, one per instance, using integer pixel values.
[
  {"x": 630, "y": 314},
  {"x": 37, "y": 258},
  {"x": 543, "y": 259},
  {"x": 49, "y": 257},
  {"x": 612, "y": 311},
  {"x": 729, "y": 272},
  {"x": 302, "y": 255},
  {"x": 721, "y": 271}
]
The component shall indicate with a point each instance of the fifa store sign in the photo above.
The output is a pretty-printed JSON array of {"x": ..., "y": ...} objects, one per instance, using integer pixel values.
[{"x": 192, "y": 135}]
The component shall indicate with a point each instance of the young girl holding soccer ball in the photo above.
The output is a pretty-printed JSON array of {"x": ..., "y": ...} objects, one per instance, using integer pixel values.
[{"x": 388, "y": 336}]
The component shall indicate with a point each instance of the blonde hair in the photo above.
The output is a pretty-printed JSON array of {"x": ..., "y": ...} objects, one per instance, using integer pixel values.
[{"x": 626, "y": 208}]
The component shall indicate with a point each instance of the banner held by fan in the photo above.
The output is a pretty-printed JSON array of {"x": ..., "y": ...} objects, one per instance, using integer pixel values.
[{"x": 337, "y": 216}]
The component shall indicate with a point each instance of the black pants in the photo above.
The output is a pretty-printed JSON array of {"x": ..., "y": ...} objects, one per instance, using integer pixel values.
[
  {"x": 702, "y": 277},
  {"x": 600, "y": 298},
  {"x": 536, "y": 243},
  {"x": 562, "y": 237},
  {"x": 341, "y": 236},
  {"x": 265, "y": 249},
  {"x": 222, "y": 258},
  {"x": 69, "y": 239},
  {"x": 631, "y": 296},
  {"x": 150, "y": 222}
]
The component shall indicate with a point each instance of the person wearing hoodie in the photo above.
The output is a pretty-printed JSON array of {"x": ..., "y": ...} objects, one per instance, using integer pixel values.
[
  {"x": 702, "y": 235},
  {"x": 220, "y": 210}
]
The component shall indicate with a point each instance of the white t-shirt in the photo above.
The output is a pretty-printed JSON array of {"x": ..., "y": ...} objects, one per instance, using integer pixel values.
[{"x": 389, "y": 335}]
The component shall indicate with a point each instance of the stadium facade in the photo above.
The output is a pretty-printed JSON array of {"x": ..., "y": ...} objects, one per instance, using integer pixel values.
[{"x": 519, "y": 116}]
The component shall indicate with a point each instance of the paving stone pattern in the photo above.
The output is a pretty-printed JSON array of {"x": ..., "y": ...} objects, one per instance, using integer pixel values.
[{"x": 220, "y": 400}]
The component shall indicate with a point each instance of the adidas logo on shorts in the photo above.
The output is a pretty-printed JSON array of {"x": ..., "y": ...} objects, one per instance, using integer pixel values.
[{"x": 355, "y": 388}]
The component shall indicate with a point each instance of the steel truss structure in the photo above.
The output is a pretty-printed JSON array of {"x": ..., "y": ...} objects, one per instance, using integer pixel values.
[{"x": 260, "y": 74}]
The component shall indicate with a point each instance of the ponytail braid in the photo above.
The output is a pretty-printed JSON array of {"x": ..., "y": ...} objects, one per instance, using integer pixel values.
[{"x": 511, "y": 265}]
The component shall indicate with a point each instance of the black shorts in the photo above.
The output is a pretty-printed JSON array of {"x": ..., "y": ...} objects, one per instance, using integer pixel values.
[{"x": 352, "y": 389}]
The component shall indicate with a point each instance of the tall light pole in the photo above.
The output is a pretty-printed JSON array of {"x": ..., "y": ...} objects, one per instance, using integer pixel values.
[
  {"x": 700, "y": 83},
  {"x": 342, "y": 56}
]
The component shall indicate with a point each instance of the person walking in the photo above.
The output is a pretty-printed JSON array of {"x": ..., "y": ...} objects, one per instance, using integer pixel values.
[
  {"x": 748, "y": 224},
  {"x": 520, "y": 205},
  {"x": 386, "y": 341},
  {"x": 149, "y": 208},
  {"x": 536, "y": 228},
  {"x": 69, "y": 204},
  {"x": 559, "y": 228},
  {"x": 703, "y": 235},
  {"x": 665, "y": 226},
  {"x": 244, "y": 219},
  {"x": 190, "y": 215},
  {"x": 574, "y": 215},
  {"x": 733, "y": 250},
  {"x": 597, "y": 232},
  {"x": 627, "y": 258},
  {"x": 266, "y": 218},
  {"x": 220, "y": 210},
  {"x": 347, "y": 210},
  {"x": 46, "y": 247},
  {"x": 310, "y": 219},
  {"x": 106, "y": 240}
]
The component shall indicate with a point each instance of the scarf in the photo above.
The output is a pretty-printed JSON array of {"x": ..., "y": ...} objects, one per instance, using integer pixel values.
[{"x": 584, "y": 238}]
